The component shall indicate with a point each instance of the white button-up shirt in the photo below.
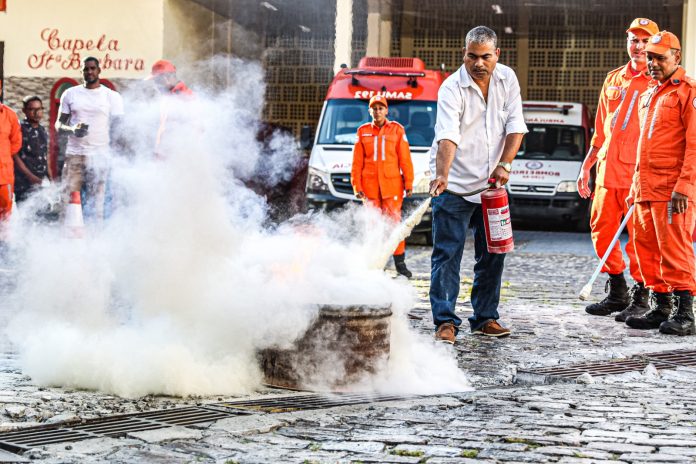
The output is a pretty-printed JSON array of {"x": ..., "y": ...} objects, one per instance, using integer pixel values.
[{"x": 477, "y": 127}]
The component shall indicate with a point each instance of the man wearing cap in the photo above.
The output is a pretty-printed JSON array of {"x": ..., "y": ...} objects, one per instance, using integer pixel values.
[
  {"x": 479, "y": 129},
  {"x": 613, "y": 148},
  {"x": 664, "y": 190},
  {"x": 91, "y": 115},
  {"x": 173, "y": 92},
  {"x": 382, "y": 171}
]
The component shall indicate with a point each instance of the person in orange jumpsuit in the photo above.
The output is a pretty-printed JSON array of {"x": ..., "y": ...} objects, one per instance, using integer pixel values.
[
  {"x": 664, "y": 190},
  {"x": 382, "y": 171},
  {"x": 175, "y": 118},
  {"x": 614, "y": 151},
  {"x": 10, "y": 144}
]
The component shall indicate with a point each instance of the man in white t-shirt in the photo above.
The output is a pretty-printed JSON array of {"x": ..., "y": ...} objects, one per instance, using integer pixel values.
[{"x": 90, "y": 114}]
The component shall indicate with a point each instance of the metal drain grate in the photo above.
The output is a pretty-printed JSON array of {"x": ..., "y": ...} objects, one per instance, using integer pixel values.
[
  {"x": 114, "y": 427},
  {"x": 661, "y": 360},
  {"x": 118, "y": 426},
  {"x": 306, "y": 402},
  {"x": 672, "y": 359}
]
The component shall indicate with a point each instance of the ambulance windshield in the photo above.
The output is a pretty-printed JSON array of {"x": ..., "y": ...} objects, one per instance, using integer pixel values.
[
  {"x": 342, "y": 117},
  {"x": 553, "y": 142}
]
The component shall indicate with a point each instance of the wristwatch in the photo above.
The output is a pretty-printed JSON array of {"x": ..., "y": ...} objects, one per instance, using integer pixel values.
[{"x": 506, "y": 166}]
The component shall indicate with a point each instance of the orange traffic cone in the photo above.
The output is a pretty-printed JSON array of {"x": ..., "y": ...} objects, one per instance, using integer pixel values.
[{"x": 74, "y": 224}]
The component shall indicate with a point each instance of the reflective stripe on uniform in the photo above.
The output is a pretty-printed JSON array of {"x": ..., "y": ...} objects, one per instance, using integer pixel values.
[
  {"x": 616, "y": 112},
  {"x": 652, "y": 124},
  {"x": 630, "y": 110}
]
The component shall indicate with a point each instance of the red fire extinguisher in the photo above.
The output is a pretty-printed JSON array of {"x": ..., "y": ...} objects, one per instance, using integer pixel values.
[{"x": 496, "y": 218}]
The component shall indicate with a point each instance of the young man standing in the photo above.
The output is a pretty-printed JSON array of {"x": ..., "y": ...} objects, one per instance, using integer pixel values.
[
  {"x": 31, "y": 163},
  {"x": 91, "y": 114}
]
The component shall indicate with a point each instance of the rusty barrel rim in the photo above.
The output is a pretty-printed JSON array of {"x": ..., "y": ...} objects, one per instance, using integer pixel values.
[{"x": 355, "y": 311}]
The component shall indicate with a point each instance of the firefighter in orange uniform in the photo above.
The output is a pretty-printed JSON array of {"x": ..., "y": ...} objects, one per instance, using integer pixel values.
[
  {"x": 614, "y": 150},
  {"x": 175, "y": 117},
  {"x": 664, "y": 190},
  {"x": 10, "y": 144},
  {"x": 382, "y": 170}
]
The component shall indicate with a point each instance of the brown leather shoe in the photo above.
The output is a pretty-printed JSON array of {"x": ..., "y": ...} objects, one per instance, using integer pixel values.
[
  {"x": 492, "y": 329},
  {"x": 446, "y": 333}
]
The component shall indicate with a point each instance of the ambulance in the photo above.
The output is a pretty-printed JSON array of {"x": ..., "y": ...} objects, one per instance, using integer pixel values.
[
  {"x": 544, "y": 173},
  {"x": 411, "y": 91}
]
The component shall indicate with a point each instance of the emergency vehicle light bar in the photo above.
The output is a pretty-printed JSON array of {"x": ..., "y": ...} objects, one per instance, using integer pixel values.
[
  {"x": 548, "y": 107},
  {"x": 363, "y": 72}
]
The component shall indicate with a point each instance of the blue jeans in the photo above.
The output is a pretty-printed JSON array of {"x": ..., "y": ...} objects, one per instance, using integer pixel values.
[{"x": 452, "y": 215}]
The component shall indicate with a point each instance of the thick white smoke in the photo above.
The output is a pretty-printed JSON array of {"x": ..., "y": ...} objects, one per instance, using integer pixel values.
[{"x": 179, "y": 288}]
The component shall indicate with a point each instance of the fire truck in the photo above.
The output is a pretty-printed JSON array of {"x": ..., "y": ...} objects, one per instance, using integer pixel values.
[
  {"x": 411, "y": 91},
  {"x": 544, "y": 172}
]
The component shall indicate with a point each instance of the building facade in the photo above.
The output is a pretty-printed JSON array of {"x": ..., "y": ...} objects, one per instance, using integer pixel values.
[{"x": 561, "y": 50}]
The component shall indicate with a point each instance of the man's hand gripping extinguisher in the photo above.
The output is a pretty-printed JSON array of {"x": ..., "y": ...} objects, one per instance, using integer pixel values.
[{"x": 496, "y": 217}]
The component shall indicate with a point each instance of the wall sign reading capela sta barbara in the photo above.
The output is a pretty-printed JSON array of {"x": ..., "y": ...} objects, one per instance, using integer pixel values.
[{"x": 67, "y": 53}]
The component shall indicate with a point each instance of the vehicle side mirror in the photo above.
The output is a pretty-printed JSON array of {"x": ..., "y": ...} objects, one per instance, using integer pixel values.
[{"x": 306, "y": 137}]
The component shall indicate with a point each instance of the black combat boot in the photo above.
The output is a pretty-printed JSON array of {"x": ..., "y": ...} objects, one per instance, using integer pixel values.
[
  {"x": 400, "y": 264},
  {"x": 639, "y": 303},
  {"x": 661, "y": 305},
  {"x": 617, "y": 300},
  {"x": 682, "y": 320}
]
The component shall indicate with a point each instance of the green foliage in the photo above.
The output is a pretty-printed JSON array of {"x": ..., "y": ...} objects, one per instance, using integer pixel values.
[{"x": 407, "y": 453}]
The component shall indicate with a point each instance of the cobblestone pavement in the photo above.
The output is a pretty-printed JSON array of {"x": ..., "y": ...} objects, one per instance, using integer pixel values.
[{"x": 631, "y": 418}]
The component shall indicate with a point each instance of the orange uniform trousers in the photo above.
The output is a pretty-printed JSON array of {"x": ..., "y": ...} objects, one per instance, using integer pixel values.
[
  {"x": 608, "y": 209},
  {"x": 5, "y": 208},
  {"x": 665, "y": 251},
  {"x": 390, "y": 207}
]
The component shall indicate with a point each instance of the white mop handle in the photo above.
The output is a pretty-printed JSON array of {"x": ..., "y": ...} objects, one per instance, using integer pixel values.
[{"x": 611, "y": 245}]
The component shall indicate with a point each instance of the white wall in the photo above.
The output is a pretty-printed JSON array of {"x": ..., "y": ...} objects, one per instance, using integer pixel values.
[
  {"x": 48, "y": 38},
  {"x": 688, "y": 39}
]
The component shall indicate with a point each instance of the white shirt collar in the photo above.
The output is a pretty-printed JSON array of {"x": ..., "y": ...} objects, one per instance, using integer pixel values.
[{"x": 465, "y": 79}]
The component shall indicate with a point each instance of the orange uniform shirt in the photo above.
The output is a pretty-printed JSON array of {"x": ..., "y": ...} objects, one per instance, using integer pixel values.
[
  {"x": 617, "y": 127},
  {"x": 10, "y": 143},
  {"x": 382, "y": 166},
  {"x": 667, "y": 146}
]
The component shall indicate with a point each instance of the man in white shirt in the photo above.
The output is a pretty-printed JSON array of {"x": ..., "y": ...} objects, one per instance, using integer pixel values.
[
  {"x": 478, "y": 131},
  {"x": 90, "y": 113}
]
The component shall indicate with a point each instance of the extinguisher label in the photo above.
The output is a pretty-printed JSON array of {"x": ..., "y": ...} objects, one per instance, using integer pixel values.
[{"x": 499, "y": 223}]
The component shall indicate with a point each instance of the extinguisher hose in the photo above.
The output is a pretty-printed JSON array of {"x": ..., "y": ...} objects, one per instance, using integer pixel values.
[{"x": 475, "y": 192}]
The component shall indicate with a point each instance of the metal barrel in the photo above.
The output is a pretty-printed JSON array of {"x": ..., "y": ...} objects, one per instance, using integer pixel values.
[{"x": 342, "y": 346}]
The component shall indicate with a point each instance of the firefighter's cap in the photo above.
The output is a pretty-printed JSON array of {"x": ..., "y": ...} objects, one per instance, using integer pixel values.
[
  {"x": 644, "y": 24},
  {"x": 378, "y": 99},
  {"x": 161, "y": 67},
  {"x": 661, "y": 43}
]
